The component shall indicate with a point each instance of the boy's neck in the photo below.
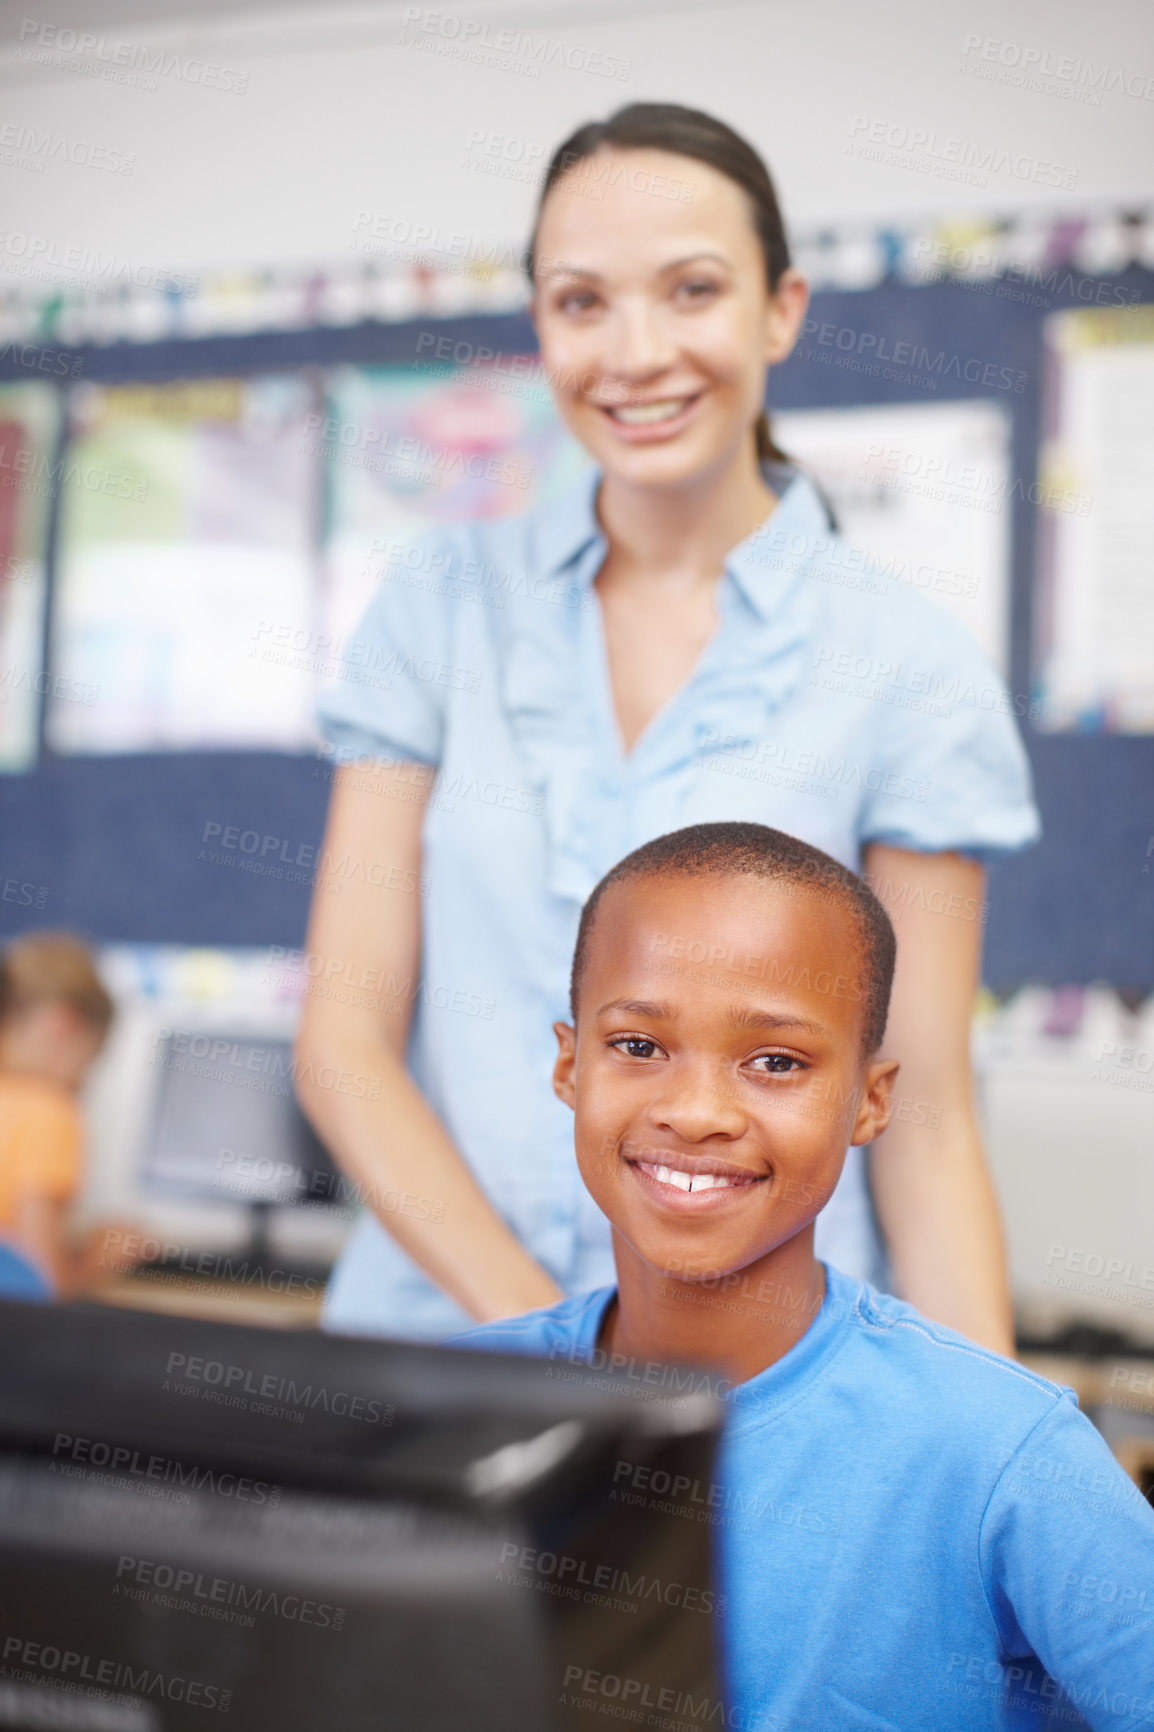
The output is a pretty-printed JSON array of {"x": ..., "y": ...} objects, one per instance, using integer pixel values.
[{"x": 739, "y": 1324}]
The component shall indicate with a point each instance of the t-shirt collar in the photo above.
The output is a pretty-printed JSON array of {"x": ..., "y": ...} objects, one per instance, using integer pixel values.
[{"x": 780, "y": 1384}]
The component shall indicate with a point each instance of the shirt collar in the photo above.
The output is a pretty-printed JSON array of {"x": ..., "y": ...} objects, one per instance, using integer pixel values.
[
  {"x": 567, "y": 526},
  {"x": 795, "y": 531}
]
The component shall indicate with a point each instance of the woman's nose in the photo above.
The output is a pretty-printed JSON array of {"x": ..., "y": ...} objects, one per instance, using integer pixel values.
[{"x": 638, "y": 344}]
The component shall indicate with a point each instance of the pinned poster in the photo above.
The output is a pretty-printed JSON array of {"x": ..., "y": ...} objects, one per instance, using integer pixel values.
[
  {"x": 29, "y": 432},
  {"x": 1094, "y": 609},
  {"x": 926, "y": 489},
  {"x": 186, "y": 588},
  {"x": 407, "y": 448}
]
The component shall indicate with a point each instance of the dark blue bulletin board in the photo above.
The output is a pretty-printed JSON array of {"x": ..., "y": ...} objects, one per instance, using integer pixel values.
[{"x": 110, "y": 846}]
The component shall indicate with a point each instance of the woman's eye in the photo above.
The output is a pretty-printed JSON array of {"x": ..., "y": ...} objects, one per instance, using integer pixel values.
[
  {"x": 634, "y": 1046},
  {"x": 577, "y": 302},
  {"x": 697, "y": 291},
  {"x": 777, "y": 1063}
]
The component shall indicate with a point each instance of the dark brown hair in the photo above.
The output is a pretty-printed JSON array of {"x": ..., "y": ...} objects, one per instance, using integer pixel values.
[
  {"x": 684, "y": 132},
  {"x": 738, "y": 849}
]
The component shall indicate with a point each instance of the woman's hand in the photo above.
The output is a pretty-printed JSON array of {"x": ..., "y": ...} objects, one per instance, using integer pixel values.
[
  {"x": 387, "y": 1138},
  {"x": 931, "y": 1186}
]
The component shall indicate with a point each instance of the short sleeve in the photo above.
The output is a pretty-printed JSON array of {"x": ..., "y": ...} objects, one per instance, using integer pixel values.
[
  {"x": 386, "y": 698},
  {"x": 1067, "y": 1555},
  {"x": 953, "y": 773}
]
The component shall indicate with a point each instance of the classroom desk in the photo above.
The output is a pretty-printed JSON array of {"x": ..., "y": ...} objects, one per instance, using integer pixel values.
[
  {"x": 1094, "y": 1380},
  {"x": 180, "y": 1295}
]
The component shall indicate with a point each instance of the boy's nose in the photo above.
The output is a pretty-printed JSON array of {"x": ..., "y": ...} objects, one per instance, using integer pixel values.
[{"x": 698, "y": 1101}]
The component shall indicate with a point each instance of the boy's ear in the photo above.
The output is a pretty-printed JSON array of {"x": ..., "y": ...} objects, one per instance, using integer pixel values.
[
  {"x": 876, "y": 1103},
  {"x": 564, "y": 1084}
]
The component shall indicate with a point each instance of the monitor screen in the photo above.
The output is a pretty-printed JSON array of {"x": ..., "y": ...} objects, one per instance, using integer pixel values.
[
  {"x": 226, "y": 1126},
  {"x": 305, "y": 1532}
]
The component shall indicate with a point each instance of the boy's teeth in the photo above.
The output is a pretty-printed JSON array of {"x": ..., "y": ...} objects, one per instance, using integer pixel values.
[
  {"x": 689, "y": 1181},
  {"x": 639, "y": 413}
]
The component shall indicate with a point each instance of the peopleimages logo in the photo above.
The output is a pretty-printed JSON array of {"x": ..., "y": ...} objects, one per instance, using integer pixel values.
[
  {"x": 230, "y": 1386},
  {"x": 597, "y": 1579},
  {"x": 43, "y": 360},
  {"x": 266, "y": 1069},
  {"x": 1032, "y": 64},
  {"x": 209, "y": 1594},
  {"x": 113, "y": 1674},
  {"x": 872, "y": 346},
  {"x": 36, "y": 255},
  {"x": 53, "y": 44},
  {"x": 517, "y": 50},
  {"x": 24, "y": 147},
  {"x": 162, "y": 1470}
]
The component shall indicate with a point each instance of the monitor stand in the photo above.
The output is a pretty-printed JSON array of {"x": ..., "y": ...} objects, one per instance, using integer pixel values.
[{"x": 259, "y": 1246}]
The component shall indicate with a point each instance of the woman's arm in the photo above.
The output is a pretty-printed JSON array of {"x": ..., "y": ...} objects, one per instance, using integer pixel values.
[
  {"x": 367, "y": 938},
  {"x": 931, "y": 1186}
]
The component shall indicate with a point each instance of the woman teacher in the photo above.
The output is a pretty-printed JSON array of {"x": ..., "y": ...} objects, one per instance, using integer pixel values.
[{"x": 661, "y": 658}]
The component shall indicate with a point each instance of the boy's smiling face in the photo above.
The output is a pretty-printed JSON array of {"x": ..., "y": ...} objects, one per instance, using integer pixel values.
[{"x": 715, "y": 1100}]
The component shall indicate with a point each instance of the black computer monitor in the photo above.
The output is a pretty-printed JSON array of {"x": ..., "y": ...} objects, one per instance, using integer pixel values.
[{"x": 209, "y": 1526}]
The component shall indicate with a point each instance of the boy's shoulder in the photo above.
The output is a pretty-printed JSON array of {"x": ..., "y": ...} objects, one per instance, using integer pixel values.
[
  {"x": 902, "y": 1352},
  {"x": 572, "y": 1323}
]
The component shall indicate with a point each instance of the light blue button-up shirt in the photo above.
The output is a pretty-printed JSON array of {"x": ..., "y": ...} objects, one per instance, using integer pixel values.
[{"x": 833, "y": 702}]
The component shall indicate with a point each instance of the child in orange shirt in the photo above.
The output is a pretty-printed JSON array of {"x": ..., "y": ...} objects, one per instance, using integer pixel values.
[{"x": 55, "y": 1014}]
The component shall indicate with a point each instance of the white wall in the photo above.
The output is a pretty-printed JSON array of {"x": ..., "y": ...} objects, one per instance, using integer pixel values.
[{"x": 339, "y": 116}]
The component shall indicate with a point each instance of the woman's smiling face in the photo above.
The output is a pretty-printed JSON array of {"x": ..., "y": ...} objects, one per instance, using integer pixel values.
[
  {"x": 653, "y": 313},
  {"x": 715, "y": 1102}
]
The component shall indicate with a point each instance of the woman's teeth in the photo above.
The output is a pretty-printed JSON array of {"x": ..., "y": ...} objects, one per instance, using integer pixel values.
[
  {"x": 640, "y": 414},
  {"x": 690, "y": 1181}
]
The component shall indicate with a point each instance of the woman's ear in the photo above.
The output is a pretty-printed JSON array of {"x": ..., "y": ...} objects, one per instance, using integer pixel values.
[
  {"x": 784, "y": 316},
  {"x": 564, "y": 1070}
]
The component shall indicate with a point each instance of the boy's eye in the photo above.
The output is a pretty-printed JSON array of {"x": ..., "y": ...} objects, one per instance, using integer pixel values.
[
  {"x": 776, "y": 1063},
  {"x": 635, "y": 1046}
]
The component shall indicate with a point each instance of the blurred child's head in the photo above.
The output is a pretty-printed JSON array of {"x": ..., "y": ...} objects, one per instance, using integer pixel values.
[
  {"x": 55, "y": 1011},
  {"x": 729, "y": 997}
]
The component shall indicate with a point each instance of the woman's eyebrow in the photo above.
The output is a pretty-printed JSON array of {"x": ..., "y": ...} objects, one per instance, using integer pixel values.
[
  {"x": 562, "y": 270},
  {"x": 693, "y": 259}
]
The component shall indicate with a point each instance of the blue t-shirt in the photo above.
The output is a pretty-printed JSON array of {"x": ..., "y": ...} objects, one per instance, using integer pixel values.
[
  {"x": 834, "y": 702},
  {"x": 913, "y": 1534}
]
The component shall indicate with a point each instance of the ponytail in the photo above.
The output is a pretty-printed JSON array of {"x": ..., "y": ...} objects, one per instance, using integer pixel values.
[{"x": 767, "y": 450}]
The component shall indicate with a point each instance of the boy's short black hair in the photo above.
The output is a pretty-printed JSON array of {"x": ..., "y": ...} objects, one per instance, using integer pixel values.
[{"x": 731, "y": 850}]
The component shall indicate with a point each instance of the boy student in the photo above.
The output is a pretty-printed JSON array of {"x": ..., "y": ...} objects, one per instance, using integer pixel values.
[{"x": 913, "y": 1532}]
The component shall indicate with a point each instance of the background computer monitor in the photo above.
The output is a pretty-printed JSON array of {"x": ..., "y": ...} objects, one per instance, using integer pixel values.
[
  {"x": 186, "y": 1020},
  {"x": 307, "y": 1533},
  {"x": 226, "y": 1126}
]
